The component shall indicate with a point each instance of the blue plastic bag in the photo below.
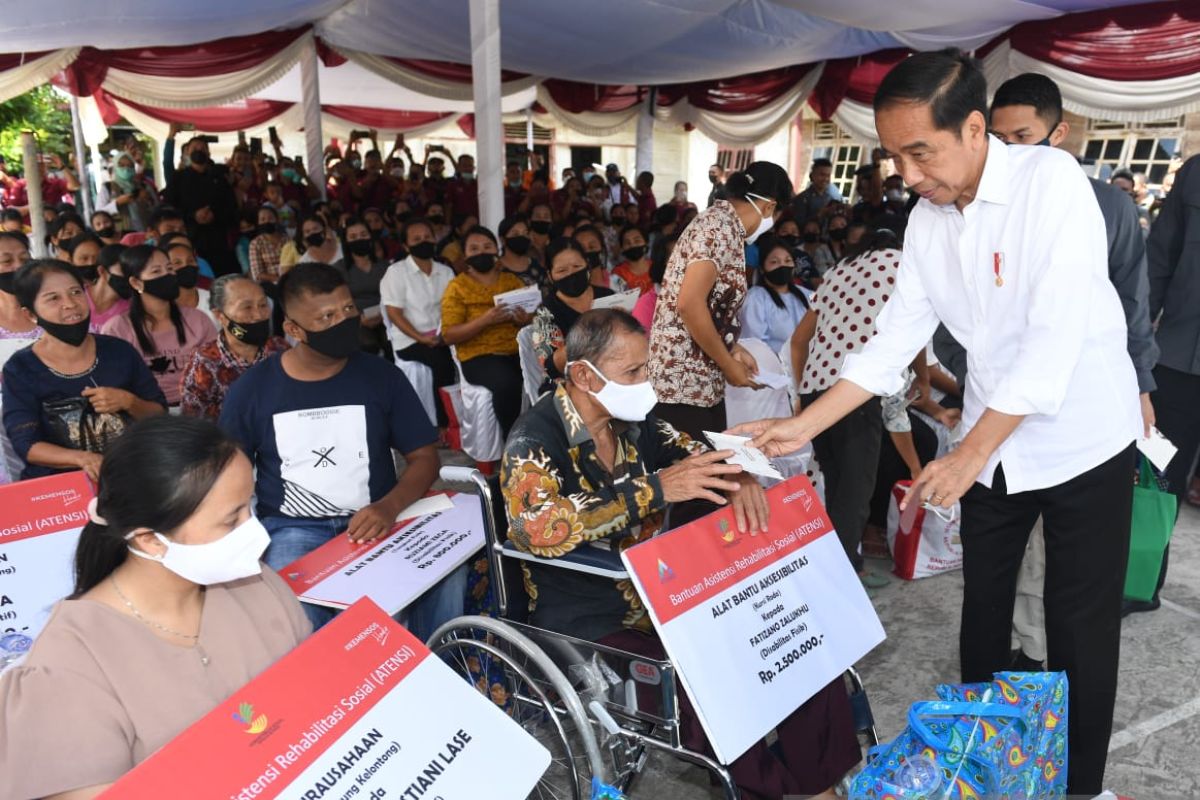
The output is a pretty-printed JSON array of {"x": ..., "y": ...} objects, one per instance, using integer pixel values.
[{"x": 1003, "y": 739}]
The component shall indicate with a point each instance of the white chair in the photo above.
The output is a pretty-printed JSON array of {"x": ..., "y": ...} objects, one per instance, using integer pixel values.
[
  {"x": 785, "y": 360},
  {"x": 480, "y": 430},
  {"x": 420, "y": 376},
  {"x": 532, "y": 374}
]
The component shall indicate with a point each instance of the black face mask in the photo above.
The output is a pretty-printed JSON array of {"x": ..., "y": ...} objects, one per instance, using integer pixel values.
[
  {"x": 120, "y": 285},
  {"x": 790, "y": 242},
  {"x": 361, "y": 247},
  {"x": 573, "y": 285},
  {"x": 252, "y": 333},
  {"x": 266, "y": 229},
  {"x": 540, "y": 226},
  {"x": 634, "y": 253},
  {"x": 188, "y": 276},
  {"x": 517, "y": 244},
  {"x": 338, "y": 342},
  {"x": 810, "y": 238},
  {"x": 199, "y": 158},
  {"x": 164, "y": 287},
  {"x": 106, "y": 233},
  {"x": 314, "y": 239},
  {"x": 780, "y": 276},
  {"x": 6, "y": 282},
  {"x": 423, "y": 250},
  {"x": 482, "y": 262},
  {"x": 595, "y": 259},
  {"x": 837, "y": 235},
  {"x": 89, "y": 274},
  {"x": 436, "y": 219},
  {"x": 73, "y": 334}
]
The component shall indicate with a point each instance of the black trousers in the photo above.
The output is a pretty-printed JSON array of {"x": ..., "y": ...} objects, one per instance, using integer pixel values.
[
  {"x": 1086, "y": 522},
  {"x": 849, "y": 455},
  {"x": 502, "y": 375},
  {"x": 892, "y": 467},
  {"x": 1176, "y": 401},
  {"x": 437, "y": 359}
]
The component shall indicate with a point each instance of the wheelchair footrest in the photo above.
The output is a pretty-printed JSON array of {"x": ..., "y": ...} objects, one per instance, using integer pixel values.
[{"x": 589, "y": 559}]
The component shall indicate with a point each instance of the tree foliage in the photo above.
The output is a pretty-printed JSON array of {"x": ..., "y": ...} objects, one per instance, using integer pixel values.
[{"x": 46, "y": 113}]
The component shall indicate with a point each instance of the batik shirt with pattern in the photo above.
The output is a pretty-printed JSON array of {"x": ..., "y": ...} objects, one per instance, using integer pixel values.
[{"x": 558, "y": 497}]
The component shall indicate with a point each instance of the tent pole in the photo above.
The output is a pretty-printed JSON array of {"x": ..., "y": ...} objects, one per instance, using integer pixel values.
[
  {"x": 644, "y": 154},
  {"x": 33, "y": 187},
  {"x": 81, "y": 163},
  {"x": 314, "y": 139},
  {"x": 489, "y": 135}
]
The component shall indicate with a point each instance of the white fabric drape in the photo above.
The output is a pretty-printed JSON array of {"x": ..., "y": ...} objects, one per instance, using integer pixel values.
[
  {"x": 858, "y": 120},
  {"x": 210, "y": 90},
  {"x": 35, "y": 73},
  {"x": 1122, "y": 101},
  {"x": 310, "y": 110},
  {"x": 748, "y": 128},
  {"x": 427, "y": 84}
]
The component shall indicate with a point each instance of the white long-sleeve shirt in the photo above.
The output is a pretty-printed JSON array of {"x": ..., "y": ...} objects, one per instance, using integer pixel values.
[{"x": 1020, "y": 279}]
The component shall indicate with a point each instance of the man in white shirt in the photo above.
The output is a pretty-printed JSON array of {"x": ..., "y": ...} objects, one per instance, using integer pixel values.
[
  {"x": 411, "y": 295},
  {"x": 1007, "y": 248}
]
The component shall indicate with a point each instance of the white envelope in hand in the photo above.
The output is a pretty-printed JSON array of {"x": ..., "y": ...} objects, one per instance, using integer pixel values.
[
  {"x": 751, "y": 459},
  {"x": 1158, "y": 449}
]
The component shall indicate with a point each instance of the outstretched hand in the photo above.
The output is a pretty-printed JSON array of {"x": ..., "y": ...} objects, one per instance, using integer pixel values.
[{"x": 775, "y": 437}]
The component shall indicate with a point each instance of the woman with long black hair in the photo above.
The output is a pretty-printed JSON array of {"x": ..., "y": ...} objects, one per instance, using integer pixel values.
[
  {"x": 774, "y": 308},
  {"x": 172, "y": 612},
  {"x": 164, "y": 332}
]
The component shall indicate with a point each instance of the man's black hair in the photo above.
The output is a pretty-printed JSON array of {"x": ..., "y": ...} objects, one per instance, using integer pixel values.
[
  {"x": 820, "y": 162},
  {"x": 311, "y": 277},
  {"x": 949, "y": 81},
  {"x": 163, "y": 213},
  {"x": 1032, "y": 89}
]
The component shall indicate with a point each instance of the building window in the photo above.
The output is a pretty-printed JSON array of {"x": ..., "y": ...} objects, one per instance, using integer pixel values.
[
  {"x": 1145, "y": 147},
  {"x": 734, "y": 159},
  {"x": 830, "y": 141}
]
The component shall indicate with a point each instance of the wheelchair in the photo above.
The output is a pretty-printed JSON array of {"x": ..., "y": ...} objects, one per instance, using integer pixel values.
[{"x": 599, "y": 711}]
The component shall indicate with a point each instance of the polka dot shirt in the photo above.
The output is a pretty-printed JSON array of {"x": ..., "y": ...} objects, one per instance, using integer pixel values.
[{"x": 847, "y": 305}]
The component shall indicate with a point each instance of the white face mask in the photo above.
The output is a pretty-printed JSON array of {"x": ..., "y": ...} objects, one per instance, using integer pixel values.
[
  {"x": 232, "y": 557},
  {"x": 765, "y": 224},
  {"x": 625, "y": 401}
]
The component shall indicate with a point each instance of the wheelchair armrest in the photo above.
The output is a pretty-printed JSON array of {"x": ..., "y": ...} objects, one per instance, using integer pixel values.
[{"x": 588, "y": 559}]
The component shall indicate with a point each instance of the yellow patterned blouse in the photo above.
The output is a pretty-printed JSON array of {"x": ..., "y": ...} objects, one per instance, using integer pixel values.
[{"x": 465, "y": 299}]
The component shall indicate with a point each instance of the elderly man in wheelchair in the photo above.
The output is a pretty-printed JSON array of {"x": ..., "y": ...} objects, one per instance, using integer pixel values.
[{"x": 587, "y": 472}]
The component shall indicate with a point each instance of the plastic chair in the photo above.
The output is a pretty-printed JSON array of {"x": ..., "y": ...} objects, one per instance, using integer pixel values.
[
  {"x": 481, "y": 437},
  {"x": 532, "y": 374},
  {"x": 420, "y": 377}
]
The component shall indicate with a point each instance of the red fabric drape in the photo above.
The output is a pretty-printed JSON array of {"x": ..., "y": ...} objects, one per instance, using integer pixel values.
[
  {"x": 575, "y": 98},
  {"x": 14, "y": 60},
  {"x": 86, "y": 74},
  {"x": 1135, "y": 43},
  {"x": 383, "y": 118},
  {"x": 448, "y": 71},
  {"x": 329, "y": 57},
  {"x": 217, "y": 119},
  {"x": 742, "y": 94},
  {"x": 856, "y": 78}
]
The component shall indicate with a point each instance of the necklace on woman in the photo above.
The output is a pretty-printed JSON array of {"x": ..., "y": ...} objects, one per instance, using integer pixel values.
[{"x": 189, "y": 636}]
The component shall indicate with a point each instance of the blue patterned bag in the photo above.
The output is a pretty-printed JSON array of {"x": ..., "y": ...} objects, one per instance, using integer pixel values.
[{"x": 1003, "y": 739}]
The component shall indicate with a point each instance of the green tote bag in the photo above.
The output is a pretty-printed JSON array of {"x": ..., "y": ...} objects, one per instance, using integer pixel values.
[{"x": 1153, "y": 521}]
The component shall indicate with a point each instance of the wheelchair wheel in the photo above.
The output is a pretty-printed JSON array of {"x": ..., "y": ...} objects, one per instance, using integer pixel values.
[{"x": 514, "y": 673}]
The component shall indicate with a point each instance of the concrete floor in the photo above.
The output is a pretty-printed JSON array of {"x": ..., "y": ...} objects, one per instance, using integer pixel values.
[{"x": 1155, "y": 749}]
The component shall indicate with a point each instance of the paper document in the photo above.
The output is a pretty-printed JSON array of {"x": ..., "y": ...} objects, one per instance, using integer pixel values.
[
  {"x": 772, "y": 380},
  {"x": 1158, "y": 449},
  {"x": 426, "y": 506},
  {"x": 526, "y": 299},
  {"x": 622, "y": 300},
  {"x": 751, "y": 459}
]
